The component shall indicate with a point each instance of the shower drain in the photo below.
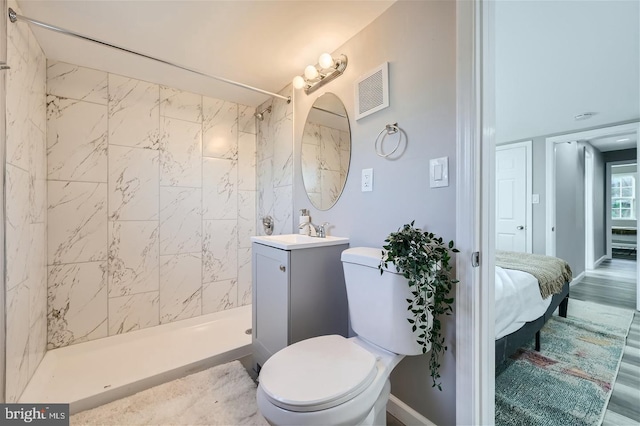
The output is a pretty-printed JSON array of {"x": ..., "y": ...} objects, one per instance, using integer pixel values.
[{"x": 247, "y": 331}]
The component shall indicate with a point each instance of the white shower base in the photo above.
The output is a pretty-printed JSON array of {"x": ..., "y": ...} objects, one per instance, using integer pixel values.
[{"x": 93, "y": 373}]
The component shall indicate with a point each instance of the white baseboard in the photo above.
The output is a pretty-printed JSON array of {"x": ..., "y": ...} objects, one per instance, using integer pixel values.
[
  {"x": 599, "y": 261},
  {"x": 577, "y": 279},
  {"x": 406, "y": 414}
]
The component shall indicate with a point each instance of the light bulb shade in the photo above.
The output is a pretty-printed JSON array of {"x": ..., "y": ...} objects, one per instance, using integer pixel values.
[
  {"x": 310, "y": 72},
  {"x": 326, "y": 61},
  {"x": 298, "y": 82}
]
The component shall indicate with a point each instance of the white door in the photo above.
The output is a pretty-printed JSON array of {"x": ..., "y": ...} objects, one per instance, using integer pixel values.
[{"x": 512, "y": 190}]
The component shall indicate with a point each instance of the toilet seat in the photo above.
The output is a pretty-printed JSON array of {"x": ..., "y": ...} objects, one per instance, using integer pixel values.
[{"x": 317, "y": 374}]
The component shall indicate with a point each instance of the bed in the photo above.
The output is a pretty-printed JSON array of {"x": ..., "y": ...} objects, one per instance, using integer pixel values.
[{"x": 521, "y": 309}]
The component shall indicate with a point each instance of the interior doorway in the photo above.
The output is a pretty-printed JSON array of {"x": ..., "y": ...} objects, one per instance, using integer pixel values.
[
  {"x": 477, "y": 112},
  {"x": 622, "y": 226},
  {"x": 629, "y": 131}
]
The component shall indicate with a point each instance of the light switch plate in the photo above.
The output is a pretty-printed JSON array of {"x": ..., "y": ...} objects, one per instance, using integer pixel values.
[
  {"x": 439, "y": 172},
  {"x": 535, "y": 199},
  {"x": 367, "y": 180}
]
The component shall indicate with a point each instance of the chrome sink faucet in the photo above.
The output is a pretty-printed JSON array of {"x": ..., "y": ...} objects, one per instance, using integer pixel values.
[{"x": 320, "y": 230}]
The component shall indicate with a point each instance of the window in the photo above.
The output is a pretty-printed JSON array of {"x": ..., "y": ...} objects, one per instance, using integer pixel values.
[{"x": 623, "y": 196}]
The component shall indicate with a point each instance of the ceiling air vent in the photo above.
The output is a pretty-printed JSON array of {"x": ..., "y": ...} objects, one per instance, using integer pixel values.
[
  {"x": 584, "y": 116},
  {"x": 372, "y": 91}
]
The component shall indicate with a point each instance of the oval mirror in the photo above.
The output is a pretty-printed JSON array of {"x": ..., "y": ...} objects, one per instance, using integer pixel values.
[{"x": 326, "y": 151}]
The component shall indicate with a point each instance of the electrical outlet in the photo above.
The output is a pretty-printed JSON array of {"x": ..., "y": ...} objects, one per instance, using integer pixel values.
[{"x": 367, "y": 180}]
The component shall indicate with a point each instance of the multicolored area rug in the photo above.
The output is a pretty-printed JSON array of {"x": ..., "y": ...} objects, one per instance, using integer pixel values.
[{"x": 570, "y": 380}]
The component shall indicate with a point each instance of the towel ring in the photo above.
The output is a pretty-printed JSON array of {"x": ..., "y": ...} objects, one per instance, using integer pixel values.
[{"x": 389, "y": 129}]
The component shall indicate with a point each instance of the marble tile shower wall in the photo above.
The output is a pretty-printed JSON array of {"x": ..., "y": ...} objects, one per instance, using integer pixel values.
[
  {"x": 26, "y": 219},
  {"x": 152, "y": 200},
  {"x": 275, "y": 164}
]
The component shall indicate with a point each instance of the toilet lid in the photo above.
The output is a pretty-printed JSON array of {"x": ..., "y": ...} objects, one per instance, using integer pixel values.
[{"x": 318, "y": 373}]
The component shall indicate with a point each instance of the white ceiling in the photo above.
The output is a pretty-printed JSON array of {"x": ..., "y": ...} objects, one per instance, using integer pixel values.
[
  {"x": 557, "y": 59},
  {"x": 614, "y": 143},
  {"x": 260, "y": 43}
]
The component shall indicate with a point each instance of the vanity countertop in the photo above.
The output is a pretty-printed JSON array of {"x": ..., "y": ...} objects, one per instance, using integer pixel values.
[{"x": 297, "y": 241}]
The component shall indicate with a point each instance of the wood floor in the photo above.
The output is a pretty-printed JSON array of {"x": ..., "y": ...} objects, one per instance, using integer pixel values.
[{"x": 614, "y": 284}]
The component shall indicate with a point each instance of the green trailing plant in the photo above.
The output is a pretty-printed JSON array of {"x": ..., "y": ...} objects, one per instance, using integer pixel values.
[{"x": 425, "y": 261}]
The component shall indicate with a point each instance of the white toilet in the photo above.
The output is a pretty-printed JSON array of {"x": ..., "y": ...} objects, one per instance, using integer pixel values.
[{"x": 332, "y": 380}]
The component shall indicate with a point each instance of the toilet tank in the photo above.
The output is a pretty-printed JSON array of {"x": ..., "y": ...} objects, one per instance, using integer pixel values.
[{"x": 378, "y": 303}]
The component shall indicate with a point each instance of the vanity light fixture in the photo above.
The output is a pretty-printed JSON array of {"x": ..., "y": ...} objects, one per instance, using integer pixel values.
[{"x": 315, "y": 76}]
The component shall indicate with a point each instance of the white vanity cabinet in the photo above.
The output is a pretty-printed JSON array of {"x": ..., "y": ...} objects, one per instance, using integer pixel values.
[{"x": 298, "y": 293}]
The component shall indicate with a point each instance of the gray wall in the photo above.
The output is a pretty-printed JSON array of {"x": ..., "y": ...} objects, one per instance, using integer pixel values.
[
  {"x": 539, "y": 182},
  {"x": 570, "y": 238},
  {"x": 570, "y": 205},
  {"x": 570, "y": 188},
  {"x": 418, "y": 41}
]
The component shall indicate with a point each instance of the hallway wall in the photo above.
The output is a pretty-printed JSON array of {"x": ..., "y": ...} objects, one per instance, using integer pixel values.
[{"x": 570, "y": 213}]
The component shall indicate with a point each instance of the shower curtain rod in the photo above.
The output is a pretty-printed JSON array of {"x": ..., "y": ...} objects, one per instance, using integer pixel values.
[
  {"x": 13, "y": 17},
  {"x": 329, "y": 112}
]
